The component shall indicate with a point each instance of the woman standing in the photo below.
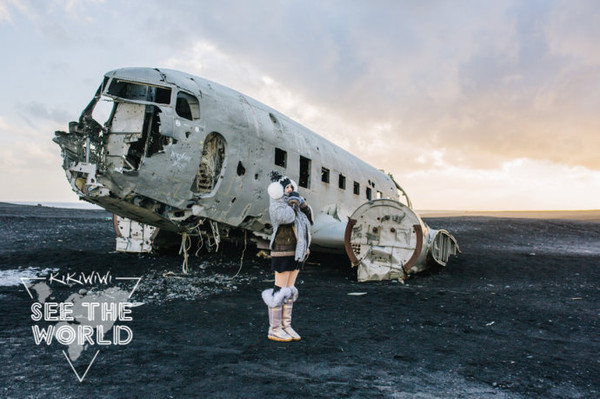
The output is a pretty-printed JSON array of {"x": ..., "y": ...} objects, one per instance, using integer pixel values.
[{"x": 291, "y": 218}]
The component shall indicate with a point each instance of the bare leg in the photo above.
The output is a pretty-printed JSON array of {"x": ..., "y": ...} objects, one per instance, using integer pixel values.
[
  {"x": 281, "y": 279},
  {"x": 292, "y": 278}
]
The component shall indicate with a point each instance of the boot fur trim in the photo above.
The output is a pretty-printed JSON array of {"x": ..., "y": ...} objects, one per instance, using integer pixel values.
[
  {"x": 294, "y": 294},
  {"x": 278, "y": 299}
]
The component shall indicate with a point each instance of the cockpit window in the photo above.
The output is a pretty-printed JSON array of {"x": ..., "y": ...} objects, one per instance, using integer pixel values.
[
  {"x": 139, "y": 92},
  {"x": 187, "y": 106}
]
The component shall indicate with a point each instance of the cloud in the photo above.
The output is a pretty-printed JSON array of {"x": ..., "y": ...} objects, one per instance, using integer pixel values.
[
  {"x": 36, "y": 10},
  {"x": 486, "y": 82},
  {"x": 30, "y": 172},
  {"x": 4, "y": 13},
  {"x": 25, "y": 147},
  {"x": 30, "y": 164},
  {"x": 572, "y": 30},
  {"x": 4, "y": 126},
  {"x": 35, "y": 112},
  {"x": 518, "y": 184},
  {"x": 76, "y": 8},
  {"x": 469, "y": 85},
  {"x": 21, "y": 155},
  {"x": 208, "y": 61},
  {"x": 9, "y": 9}
]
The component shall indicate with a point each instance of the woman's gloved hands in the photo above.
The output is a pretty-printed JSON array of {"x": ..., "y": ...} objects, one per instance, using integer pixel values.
[{"x": 295, "y": 198}]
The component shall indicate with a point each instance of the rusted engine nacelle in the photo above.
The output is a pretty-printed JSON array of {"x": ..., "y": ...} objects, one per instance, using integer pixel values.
[{"x": 387, "y": 240}]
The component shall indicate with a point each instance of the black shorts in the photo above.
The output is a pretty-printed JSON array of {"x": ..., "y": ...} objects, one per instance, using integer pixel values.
[{"x": 282, "y": 264}]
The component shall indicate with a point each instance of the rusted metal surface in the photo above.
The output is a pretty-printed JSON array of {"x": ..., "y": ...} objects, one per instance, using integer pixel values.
[
  {"x": 348, "y": 245},
  {"x": 418, "y": 249},
  {"x": 387, "y": 240}
]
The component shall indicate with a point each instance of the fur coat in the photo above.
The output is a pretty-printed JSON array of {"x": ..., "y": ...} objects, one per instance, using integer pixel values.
[{"x": 282, "y": 213}]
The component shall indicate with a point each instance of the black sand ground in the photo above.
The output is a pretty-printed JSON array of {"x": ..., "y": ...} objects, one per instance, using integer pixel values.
[{"x": 517, "y": 314}]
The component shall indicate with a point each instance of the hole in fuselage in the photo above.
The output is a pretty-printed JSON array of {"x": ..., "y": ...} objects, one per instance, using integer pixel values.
[
  {"x": 211, "y": 164},
  {"x": 240, "y": 169}
]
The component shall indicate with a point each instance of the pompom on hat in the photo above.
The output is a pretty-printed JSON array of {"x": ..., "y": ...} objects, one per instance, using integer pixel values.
[{"x": 279, "y": 182}]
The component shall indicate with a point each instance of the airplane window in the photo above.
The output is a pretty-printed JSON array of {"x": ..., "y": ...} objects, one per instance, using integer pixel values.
[
  {"x": 163, "y": 96},
  {"x": 325, "y": 175},
  {"x": 342, "y": 182},
  {"x": 140, "y": 92},
  {"x": 187, "y": 106},
  {"x": 356, "y": 188},
  {"x": 369, "y": 195},
  {"x": 183, "y": 108},
  {"x": 304, "y": 180},
  {"x": 280, "y": 157}
]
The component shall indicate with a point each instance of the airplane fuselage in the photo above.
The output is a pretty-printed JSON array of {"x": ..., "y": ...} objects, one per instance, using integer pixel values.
[{"x": 175, "y": 151}]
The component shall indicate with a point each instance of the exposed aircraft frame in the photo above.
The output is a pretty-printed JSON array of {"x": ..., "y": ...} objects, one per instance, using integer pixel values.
[{"x": 187, "y": 155}]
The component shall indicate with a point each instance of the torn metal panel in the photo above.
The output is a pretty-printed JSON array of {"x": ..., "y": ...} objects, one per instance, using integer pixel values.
[
  {"x": 442, "y": 246},
  {"x": 187, "y": 155},
  {"x": 133, "y": 236}
]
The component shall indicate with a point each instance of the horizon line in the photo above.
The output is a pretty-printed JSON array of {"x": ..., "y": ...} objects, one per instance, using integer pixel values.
[{"x": 83, "y": 203}]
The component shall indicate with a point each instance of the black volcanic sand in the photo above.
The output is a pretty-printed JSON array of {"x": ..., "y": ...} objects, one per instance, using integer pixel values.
[{"x": 517, "y": 314}]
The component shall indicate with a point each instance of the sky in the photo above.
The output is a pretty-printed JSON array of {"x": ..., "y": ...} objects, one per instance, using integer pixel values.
[{"x": 471, "y": 105}]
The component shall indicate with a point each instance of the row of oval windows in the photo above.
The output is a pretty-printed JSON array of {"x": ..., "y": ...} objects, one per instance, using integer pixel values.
[{"x": 304, "y": 178}]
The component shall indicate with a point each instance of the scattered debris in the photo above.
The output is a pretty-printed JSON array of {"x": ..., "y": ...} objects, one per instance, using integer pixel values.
[
  {"x": 206, "y": 280},
  {"x": 263, "y": 254}
]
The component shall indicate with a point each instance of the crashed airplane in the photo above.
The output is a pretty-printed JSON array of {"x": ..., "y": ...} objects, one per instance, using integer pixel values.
[{"x": 167, "y": 151}]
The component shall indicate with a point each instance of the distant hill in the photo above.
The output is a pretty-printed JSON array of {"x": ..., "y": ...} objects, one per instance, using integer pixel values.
[
  {"x": 588, "y": 215},
  {"x": 20, "y": 210},
  {"x": 86, "y": 210}
]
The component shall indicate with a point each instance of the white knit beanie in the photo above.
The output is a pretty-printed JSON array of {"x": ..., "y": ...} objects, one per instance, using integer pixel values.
[{"x": 279, "y": 182}]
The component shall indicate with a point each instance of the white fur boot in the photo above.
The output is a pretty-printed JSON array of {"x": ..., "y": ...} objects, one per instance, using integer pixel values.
[
  {"x": 275, "y": 305},
  {"x": 286, "y": 319}
]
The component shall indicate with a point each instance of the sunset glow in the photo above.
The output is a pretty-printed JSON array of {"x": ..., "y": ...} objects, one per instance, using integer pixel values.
[{"x": 470, "y": 105}]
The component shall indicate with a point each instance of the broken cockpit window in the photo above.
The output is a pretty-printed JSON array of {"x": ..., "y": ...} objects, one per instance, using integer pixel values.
[
  {"x": 128, "y": 131},
  {"x": 139, "y": 92},
  {"x": 103, "y": 110},
  {"x": 187, "y": 106},
  {"x": 134, "y": 133}
]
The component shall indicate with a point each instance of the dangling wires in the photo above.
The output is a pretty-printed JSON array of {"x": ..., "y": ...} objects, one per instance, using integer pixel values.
[
  {"x": 241, "y": 259},
  {"x": 186, "y": 243},
  {"x": 216, "y": 236},
  {"x": 200, "y": 239}
]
